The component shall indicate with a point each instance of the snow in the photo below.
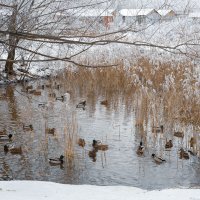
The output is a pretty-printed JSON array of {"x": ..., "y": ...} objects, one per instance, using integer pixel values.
[
  {"x": 36, "y": 190},
  {"x": 135, "y": 12},
  {"x": 194, "y": 15}
]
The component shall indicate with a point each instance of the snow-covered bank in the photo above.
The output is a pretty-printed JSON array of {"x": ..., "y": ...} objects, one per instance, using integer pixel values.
[{"x": 35, "y": 190}]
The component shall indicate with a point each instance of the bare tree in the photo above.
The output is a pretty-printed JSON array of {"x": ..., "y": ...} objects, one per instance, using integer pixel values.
[{"x": 58, "y": 24}]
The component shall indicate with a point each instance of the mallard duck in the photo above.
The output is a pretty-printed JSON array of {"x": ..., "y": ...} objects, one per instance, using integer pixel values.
[
  {"x": 81, "y": 104},
  {"x": 105, "y": 102},
  {"x": 184, "y": 154},
  {"x": 140, "y": 149},
  {"x": 62, "y": 98},
  {"x": 50, "y": 131},
  {"x": 37, "y": 93},
  {"x": 40, "y": 87},
  {"x": 99, "y": 146},
  {"x": 56, "y": 161},
  {"x": 192, "y": 142},
  {"x": 30, "y": 87},
  {"x": 42, "y": 105},
  {"x": 28, "y": 127},
  {"x": 92, "y": 153},
  {"x": 157, "y": 159},
  {"x": 179, "y": 134},
  {"x": 31, "y": 91},
  {"x": 158, "y": 129},
  {"x": 168, "y": 144},
  {"x": 13, "y": 149},
  {"x": 192, "y": 153},
  {"x": 81, "y": 142},
  {"x": 6, "y": 137},
  {"x": 3, "y": 133},
  {"x": 52, "y": 95}
]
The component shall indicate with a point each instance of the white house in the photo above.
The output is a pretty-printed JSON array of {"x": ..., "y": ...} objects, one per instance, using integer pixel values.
[
  {"x": 195, "y": 16},
  {"x": 139, "y": 15},
  {"x": 102, "y": 16},
  {"x": 167, "y": 14}
]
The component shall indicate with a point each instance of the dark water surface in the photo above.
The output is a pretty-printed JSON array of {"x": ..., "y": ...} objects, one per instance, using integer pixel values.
[{"x": 113, "y": 125}]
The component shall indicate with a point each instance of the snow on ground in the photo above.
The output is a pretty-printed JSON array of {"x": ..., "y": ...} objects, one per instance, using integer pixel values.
[{"x": 35, "y": 190}]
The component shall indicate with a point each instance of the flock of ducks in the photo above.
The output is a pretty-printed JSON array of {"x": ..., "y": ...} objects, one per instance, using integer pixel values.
[
  {"x": 183, "y": 154},
  {"x": 96, "y": 146}
]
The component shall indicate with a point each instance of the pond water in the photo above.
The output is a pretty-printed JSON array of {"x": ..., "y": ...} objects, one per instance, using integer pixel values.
[{"x": 113, "y": 125}]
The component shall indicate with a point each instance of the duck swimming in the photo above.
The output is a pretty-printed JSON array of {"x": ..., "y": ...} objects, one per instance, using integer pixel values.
[
  {"x": 81, "y": 142},
  {"x": 81, "y": 105},
  {"x": 140, "y": 149},
  {"x": 179, "y": 134},
  {"x": 168, "y": 144},
  {"x": 184, "y": 154},
  {"x": 157, "y": 159},
  {"x": 12, "y": 149},
  {"x": 28, "y": 127},
  {"x": 99, "y": 146},
  {"x": 56, "y": 161},
  {"x": 6, "y": 137}
]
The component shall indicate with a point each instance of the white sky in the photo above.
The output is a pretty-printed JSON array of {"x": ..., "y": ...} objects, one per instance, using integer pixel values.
[{"x": 175, "y": 4}]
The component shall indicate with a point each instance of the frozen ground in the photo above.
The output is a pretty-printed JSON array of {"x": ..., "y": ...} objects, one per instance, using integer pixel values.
[{"x": 35, "y": 190}]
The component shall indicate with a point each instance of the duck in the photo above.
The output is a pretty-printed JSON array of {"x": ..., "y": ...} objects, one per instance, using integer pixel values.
[
  {"x": 82, "y": 104},
  {"x": 61, "y": 98},
  {"x": 57, "y": 161},
  {"x": 13, "y": 149},
  {"x": 40, "y": 87},
  {"x": 192, "y": 153},
  {"x": 50, "y": 131},
  {"x": 192, "y": 142},
  {"x": 6, "y": 137},
  {"x": 95, "y": 143},
  {"x": 52, "y": 95},
  {"x": 158, "y": 129},
  {"x": 3, "y": 133},
  {"x": 31, "y": 91},
  {"x": 99, "y": 146},
  {"x": 168, "y": 144},
  {"x": 157, "y": 159},
  {"x": 28, "y": 127},
  {"x": 81, "y": 142},
  {"x": 42, "y": 105},
  {"x": 140, "y": 149},
  {"x": 184, "y": 154},
  {"x": 30, "y": 87},
  {"x": 92, "y": 153},
  {"x": 37, "y": 93},
  {"x": 179, "y": 134},
  {"x": 104, "y": 102}
]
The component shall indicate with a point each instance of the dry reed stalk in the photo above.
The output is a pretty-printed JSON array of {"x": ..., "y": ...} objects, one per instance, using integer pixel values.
[{"x": 71, "y": 133}]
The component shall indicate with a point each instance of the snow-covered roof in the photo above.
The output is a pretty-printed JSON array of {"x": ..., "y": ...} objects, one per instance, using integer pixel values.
[
  {"x": 136, "y": 12},
  {"x": 194, "y": 15},
  {"x": 93, "y": 12},
  {"x": 164, "y": 12}
]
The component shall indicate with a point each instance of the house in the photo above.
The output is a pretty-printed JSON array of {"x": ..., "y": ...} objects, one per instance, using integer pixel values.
[
  {"x": 101, "y": 16},
  {"x": 166, "y": 14},
  {"x": 195, "y": 16},
  {"x": 139, "y": 15}
]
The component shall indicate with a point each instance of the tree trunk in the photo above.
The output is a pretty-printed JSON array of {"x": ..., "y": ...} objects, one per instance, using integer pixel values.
[
  {"x": 13, "y": 41},
  {"x": 9, "y": 63}
]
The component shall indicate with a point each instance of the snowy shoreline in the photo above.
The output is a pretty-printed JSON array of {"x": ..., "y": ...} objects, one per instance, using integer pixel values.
[{"x": 37, "y": 190}]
